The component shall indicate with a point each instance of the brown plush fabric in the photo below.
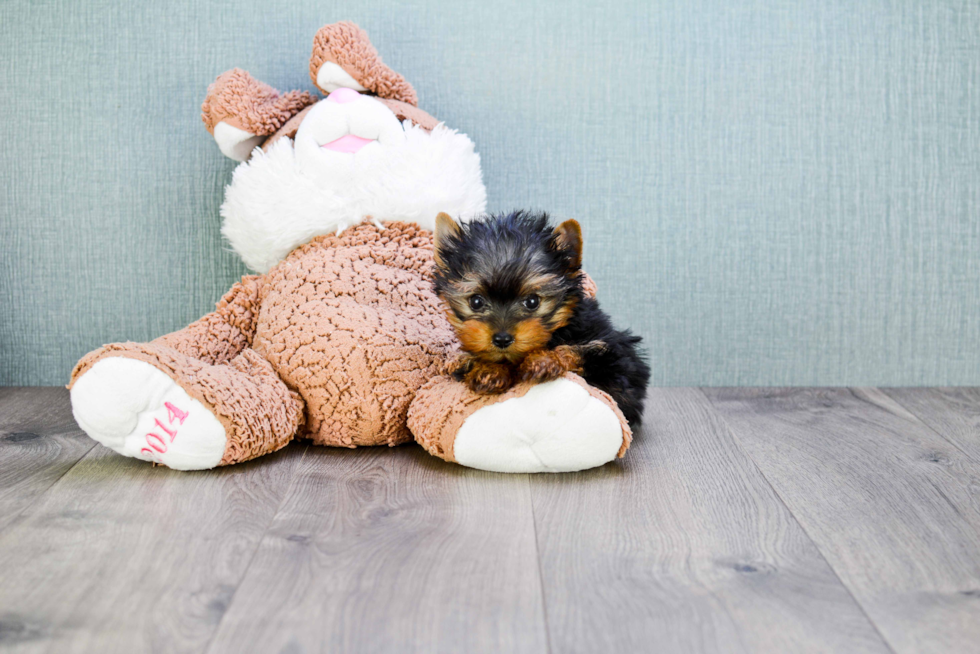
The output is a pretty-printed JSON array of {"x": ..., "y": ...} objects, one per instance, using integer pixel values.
[
  {"x": 406, "y": 111},
  {"x": 352, "y": 323},
  {"x": 248, "y": 104},
  {"x": 348, "y": 46},
  {"x": 332, "y": 344},
  {"x": 443, "y": 405},
  {"x": 588, "y": 285},
  {"x": 288, "y": 130},
  {"x": 212, "y": 362},
  {"x": 259, "y": 413},
  {"x": 219, "y": 336},
  {"x": 346, "y": 327}
]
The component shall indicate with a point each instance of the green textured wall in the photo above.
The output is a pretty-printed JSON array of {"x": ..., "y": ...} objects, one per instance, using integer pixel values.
[{"x": 772, "y": 193}]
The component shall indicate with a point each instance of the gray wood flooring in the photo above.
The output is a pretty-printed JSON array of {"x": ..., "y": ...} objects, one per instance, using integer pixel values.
[{"x": 742, "y": 520}]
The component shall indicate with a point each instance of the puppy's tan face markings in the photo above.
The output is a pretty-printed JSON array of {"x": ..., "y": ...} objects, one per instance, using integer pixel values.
[
  {"x": 529, "y": 335},
  {"x": 459, "y": 293},
  {"x": 476, "y": 336},
  {"x": 477, "y": 314},
  {"x": 505, "y": 298}
]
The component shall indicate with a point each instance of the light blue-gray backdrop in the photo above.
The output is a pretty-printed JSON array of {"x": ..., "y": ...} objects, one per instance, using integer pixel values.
[{"x": 772, "y": 192}]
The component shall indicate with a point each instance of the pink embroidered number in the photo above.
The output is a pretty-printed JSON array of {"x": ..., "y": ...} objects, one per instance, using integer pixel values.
[
  {"x": 157, "y": 443},
  {"x": 172, "y": 432},
  {"x": 174, "y": 412}
]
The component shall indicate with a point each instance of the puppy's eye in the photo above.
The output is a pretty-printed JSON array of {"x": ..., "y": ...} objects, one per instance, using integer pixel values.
[
  {"x": 531, "y": 302},
  {"x": 477, "y": 302}
]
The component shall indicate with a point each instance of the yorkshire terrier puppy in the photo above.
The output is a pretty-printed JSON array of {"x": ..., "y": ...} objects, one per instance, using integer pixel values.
[{"x": 513, "y": 290}]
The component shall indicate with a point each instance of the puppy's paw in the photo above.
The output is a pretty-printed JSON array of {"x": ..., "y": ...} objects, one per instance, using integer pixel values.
[
  {"x": 545, "y": 365},
  {"x": 458, "y": 366},
  {"x": 489, "y": 378}
]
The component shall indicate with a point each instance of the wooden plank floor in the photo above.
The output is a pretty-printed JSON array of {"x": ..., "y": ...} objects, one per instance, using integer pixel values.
[{"x": 742, "y": 520}]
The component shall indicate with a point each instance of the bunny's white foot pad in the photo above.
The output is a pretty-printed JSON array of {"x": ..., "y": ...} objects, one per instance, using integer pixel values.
[
  {"x": 137, "y": 410},
  {"x": 555, "y": 427}
]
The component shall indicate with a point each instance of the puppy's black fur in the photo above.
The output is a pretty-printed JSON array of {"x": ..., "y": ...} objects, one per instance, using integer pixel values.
[
  {"x": 617, "y": 367},
  {"x": 510, "y": 262}
]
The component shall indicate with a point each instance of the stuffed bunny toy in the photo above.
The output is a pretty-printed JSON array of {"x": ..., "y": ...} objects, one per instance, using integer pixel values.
[{"x": 339, "y": 337}]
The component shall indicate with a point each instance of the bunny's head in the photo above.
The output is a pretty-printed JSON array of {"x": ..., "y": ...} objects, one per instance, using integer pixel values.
[{"x": 365, "y": 151}]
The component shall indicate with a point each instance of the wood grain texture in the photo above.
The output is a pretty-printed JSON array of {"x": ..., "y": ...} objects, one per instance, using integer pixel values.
[
  {"x": 684, "y": 547},
  {"x": 893, "y": 507},
  {"x": 748, "y": 521},
  {"x": 953, "y": 412},
  {"x": 123, "y": 557},
  {"x": 391, "y": 550},
  {"x": 39, "y": 443}
]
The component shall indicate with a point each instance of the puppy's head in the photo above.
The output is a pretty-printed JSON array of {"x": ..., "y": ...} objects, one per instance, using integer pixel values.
[{"x": 509, "y": 281}]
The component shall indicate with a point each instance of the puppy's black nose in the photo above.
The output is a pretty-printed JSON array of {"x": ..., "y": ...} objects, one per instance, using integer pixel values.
[{"x": 502, "y": 339}]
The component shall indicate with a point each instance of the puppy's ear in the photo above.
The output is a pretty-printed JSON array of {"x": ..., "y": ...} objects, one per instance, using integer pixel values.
[
  {"x": 568, "y": 237},
  {"x": 446, "y": 228}
]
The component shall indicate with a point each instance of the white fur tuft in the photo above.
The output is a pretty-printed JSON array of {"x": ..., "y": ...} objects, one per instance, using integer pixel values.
[{"x": 280, "y": 199}]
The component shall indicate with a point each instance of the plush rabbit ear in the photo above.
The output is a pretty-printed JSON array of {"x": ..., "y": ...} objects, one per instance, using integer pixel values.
[
  {"x": 240, "y": 112},
  {"x": 344, "y": 57},
  {"x": 446, "y": 228},
  {"x": 568, "y": 237}
]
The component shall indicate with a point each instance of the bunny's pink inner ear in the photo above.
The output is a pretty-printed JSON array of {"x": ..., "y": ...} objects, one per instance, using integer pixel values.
[{"x": 344, "y": 57}]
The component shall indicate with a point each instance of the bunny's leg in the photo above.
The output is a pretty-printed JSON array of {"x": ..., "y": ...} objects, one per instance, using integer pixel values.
[
  {"x": 194, "y": 399},
  {"x": 557, "y": 426}
]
